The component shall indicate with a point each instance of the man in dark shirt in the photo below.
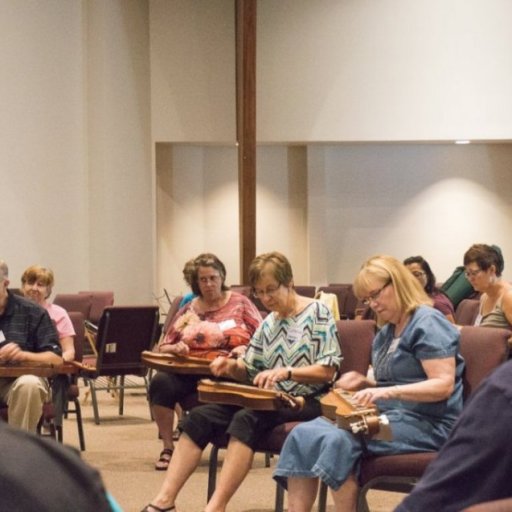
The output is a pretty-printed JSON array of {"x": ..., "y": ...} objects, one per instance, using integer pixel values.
[
  {"x": 474, "y": 464},
  {"x": 27, "y": 335}
]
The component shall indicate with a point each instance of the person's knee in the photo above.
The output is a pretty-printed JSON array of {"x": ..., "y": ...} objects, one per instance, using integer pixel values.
[
  {"x": 245, "y": 427},
  {"x": 29, "y": 384},
  {"x": 197, "y": 427},
  {"x": 161, "y": 390}
]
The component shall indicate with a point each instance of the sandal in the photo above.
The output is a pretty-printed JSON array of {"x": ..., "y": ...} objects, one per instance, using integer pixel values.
[
  {"x": 163, "y": 462},
  {"x": 157, "y": 509}
]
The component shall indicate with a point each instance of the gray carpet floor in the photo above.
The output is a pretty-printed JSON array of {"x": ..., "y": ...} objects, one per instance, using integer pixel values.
[{"x": 123, "y": 449}]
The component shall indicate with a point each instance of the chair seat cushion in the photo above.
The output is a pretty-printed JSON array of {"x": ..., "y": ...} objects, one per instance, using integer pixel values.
[
  {"x": 275, "y": 440},
  {"x": 410, "y": 465},
  {"x": 269, "y": 444}
]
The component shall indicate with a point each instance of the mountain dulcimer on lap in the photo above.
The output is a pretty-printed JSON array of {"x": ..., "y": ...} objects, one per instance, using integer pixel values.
[
  {"x": 252, "y": 397},
  {"x": 338, "y": 406},
  {"x": 17, "y": 369},
  {"x": 176, "y": 364}
]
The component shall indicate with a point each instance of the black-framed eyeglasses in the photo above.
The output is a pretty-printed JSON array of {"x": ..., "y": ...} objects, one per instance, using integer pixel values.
[
  {"x": 472, "y": 273},
  {"x": 374, "y": 295}
]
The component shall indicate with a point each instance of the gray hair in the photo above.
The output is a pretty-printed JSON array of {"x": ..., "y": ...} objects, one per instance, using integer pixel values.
[{"x": 4, "y": 270}]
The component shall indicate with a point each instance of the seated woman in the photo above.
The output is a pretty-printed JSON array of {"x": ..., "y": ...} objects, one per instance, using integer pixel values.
[
  {"x": 217, "y": 321},
  {"x": 295, "y": 350},
  {"x": 484, "y": 266},
  {"x": 37, "y": 284},
  {"x": 417, "y": 370},
  {"x": 421, "y": 270}
]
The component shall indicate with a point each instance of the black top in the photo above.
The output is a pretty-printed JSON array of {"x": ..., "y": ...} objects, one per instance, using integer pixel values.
[{"x": 28, "y": 325}]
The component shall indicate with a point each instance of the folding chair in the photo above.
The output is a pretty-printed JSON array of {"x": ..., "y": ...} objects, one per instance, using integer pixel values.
[
  {"x": 124, "y": 332},
  {"x": 73, "y": 391},
  {"x": 467, "y": 311},
  {"x": 99, "y": 301}
]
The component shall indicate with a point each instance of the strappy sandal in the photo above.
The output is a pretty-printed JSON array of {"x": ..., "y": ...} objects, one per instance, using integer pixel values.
[
  {"x": 157, "y": 509},
  {"x": 163, "y": 462}
]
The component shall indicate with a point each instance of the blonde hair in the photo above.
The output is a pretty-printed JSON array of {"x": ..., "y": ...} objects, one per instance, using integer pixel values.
[
  {"x": 37, "y": 273},
  {"x": 385, "y": 269}
]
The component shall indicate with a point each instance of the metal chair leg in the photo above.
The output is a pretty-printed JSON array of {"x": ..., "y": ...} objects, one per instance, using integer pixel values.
[
  {"x": 121, "y": 395},
  {"x": 212, "y": 471},
  {"x": 80, "y": 426},
  {"x": 322, "y": 498},
  {"x": 94, "y": 401},
  {"x": 279, "y": 503}
]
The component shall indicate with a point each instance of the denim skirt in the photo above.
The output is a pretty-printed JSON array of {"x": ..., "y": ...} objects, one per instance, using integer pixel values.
[{"x": 319, "y": 449}]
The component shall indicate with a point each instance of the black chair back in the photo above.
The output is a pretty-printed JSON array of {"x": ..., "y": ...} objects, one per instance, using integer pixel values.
[{"x": 124, "y": 332}]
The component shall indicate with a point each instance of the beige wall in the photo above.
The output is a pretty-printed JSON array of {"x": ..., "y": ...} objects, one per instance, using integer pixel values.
[
  {"x": 329, "y": 207},
  {"x": 336, "y": 70},
  {"x": 75, "y": 157},
  {"x": 121, "y": 185},
  {"x": 197, "y": 208},
  {"x": 333, "y": 72},
  {"x": 43, "y": 157},
  {"x": 193, "y": 70},
  {"x": 387, "y": 70},
  {"x": 118, "y": 157},
  {"x": 433, "y": 200}
]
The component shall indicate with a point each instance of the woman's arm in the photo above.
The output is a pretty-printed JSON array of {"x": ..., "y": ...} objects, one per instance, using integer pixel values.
[
  {"x": 306, "y": 374},
  {"x": 227, "y": 367},
  {"x": 438, "y": 385},
  {"x": 353, "y": 381},
  {"x": 506, "y": 305},
  {"x": 68, "y": 348}
]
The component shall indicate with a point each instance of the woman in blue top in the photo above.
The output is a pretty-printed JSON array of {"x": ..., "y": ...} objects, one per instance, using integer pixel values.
[{"x": 417, "y": 385}]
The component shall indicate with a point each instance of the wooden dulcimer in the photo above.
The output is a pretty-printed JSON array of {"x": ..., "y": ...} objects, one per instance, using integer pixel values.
[
  {"x": 338, "y": 406},
  {"x": 17, "y": 369},
  {"x": 252, "y": 397},
  {"x": 176, "y": 364}
]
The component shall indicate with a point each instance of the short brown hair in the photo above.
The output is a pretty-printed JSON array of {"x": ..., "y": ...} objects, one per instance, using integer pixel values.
[
  {"x": 207, "y": 259},
  {"x": 485, "y": 256},
  {"x": 281, "y": 268},
  {"x": 37, "y": 273}
]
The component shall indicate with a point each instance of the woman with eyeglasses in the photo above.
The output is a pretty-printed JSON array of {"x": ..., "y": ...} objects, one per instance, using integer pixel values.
[
  {"x": 295, "y": 350},
  {"x": 420, "y": 269},
  {"x": 416, "y": 383},
  {"x": 484, "y": 266},
  {"x": 217, "y": 321}
]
